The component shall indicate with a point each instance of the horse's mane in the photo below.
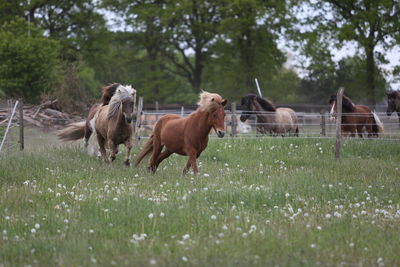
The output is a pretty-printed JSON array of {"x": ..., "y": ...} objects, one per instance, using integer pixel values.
[
  {"x": 108, "y": 92},
  {"x": 393, "y": 94},
  {"x": 347, "y": 104},
  {"x": 266, "y": 104},
  {"x": 122, "y": 92},
  {"x": 209, "y": 101}
]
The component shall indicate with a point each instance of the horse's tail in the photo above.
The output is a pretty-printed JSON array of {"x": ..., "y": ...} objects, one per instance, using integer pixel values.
[
  {"x": 146, "y": 150},
  {"x": 73, "y": 132},
  {"x": 377, "y": 126}
]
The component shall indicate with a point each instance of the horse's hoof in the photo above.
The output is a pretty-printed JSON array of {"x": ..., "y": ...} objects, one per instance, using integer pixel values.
[{"x": 127, "y": 163}]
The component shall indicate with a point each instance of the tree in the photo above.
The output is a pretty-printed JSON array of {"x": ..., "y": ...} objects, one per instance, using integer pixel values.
[
  {"x": 368, "y": 23},
  {"x": 29, "y": 65},
  {"x": 191, "y": 29},
  {"x": 146, "y": 39},
  {"x": 352, "y": 76},
  {"x": 247, "y": 46}
]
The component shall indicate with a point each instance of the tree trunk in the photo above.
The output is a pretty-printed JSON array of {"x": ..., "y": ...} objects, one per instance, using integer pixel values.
[
  {"x": 153, "y": 68},
  {"x": 198, "y": 70},
  {"x": 371, "y": 75}
]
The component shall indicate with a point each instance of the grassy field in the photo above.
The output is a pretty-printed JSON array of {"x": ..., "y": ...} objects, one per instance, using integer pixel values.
[{"x": 259, "y": 202}]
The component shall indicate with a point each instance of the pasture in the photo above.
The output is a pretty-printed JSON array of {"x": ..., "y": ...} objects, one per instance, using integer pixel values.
[{"x": 259, "y": 201}]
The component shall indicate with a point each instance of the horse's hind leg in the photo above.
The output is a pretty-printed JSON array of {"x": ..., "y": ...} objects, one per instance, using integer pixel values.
[
  {"x": 88, "y": 133},
  {"x": 157, "y": 147},
  {"x": 360, "y": 131},
  {"x": 129, "y": 146},
  {"x": 165, "y": 154}
]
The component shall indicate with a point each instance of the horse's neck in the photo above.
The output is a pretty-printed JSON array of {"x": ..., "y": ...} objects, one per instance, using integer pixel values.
[
  {"x": 201, "y": 124},
  {"x": 262, "y": 114}
]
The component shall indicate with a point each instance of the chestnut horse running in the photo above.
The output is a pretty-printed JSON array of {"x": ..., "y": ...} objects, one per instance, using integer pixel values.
[
  {"x": 112, "y": 123},
  {"x": 356, "y": 117},
  {"x": 185, "y": 136}
]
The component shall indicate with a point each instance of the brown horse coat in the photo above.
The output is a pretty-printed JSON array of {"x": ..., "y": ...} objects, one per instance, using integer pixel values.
[
  {"x": 357, "y": 117},
  {"x": 185, "y": 136}
]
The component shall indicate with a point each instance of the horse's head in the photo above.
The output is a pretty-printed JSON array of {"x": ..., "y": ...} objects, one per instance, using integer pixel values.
[
  {"x": 247, "y": 103},
  {"x": 123, "y": 100},
  {"x": 393, "y": 98},
  {"x": 214, "y": 104},
  {"x": 128, "y": 106},
  {"x": 217, "y": 118}
]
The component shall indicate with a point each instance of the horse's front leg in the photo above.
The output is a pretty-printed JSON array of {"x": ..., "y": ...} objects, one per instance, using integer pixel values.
[
  {"x": 114, "y": 150},
  {"x": 191, "y": 163},
  {"x": 102, "y": 148},
  {"x": 128, "y": 145}
]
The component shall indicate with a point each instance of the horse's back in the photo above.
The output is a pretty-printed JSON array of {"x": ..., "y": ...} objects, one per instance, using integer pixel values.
[
  {"x": 288, "y": 119},
  {"x": 169, "y": 123}
]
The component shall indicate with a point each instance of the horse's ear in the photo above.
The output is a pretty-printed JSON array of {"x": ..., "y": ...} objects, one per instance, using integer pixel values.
[{"x": 224, "y": 102}]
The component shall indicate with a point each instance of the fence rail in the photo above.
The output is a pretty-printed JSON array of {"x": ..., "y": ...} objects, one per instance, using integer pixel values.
[{"x": 311, "y": 125}]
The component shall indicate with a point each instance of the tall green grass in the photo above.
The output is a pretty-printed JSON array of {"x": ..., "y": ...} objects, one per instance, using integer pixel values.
[{"x": 267, "y": 201}]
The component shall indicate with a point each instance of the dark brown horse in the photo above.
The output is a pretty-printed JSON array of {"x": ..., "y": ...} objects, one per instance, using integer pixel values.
[
  {"x": 185, "y": 136},
  {"x": 112, "y": 123},
  {"x": 74, "y": 131},
  {"x": 356, "y": 117},
  {"x": 393, "y": 103}
]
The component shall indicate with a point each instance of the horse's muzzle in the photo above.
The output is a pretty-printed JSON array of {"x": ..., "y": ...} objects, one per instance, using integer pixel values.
[
  {"x": 128, "y": 120},
  {"x": 220, "y": 133}
]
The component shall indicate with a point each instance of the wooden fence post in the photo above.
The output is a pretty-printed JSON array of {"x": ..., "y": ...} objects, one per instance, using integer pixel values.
[
  {"x": 157, "y": 111},
  {"x": 323, "y": 123},
  {"x": 21, "y": 125},
  {"x": 339, "y": 98},
  {"x": 138, "y": 121},
  {"x": 233, "y": 119}
]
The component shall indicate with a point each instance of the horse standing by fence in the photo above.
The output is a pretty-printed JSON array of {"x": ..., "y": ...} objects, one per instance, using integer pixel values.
[
  {"x": 393, "y": 103},
  {"x": 185, "y": 136},
  {"x": 270, "y": 120},
  {"x": 356, "y": 117},
  {"x": 112, "y": 123}
]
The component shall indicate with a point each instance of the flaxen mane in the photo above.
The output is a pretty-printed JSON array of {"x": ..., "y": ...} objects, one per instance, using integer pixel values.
[
  {"x": 121, "y": 93},
  {"x": 209, "y": 101}
]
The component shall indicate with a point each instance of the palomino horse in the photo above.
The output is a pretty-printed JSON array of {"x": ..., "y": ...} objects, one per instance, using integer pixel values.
[
  {"x": 185, "y": 136},
  {"x": 74, "y": 131},
  {"x": 393, "y": 103},
  {"x": 356, "y": 117},
  {"x": 270, "y": 120},
  {"x": 112, "y": 123}
]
